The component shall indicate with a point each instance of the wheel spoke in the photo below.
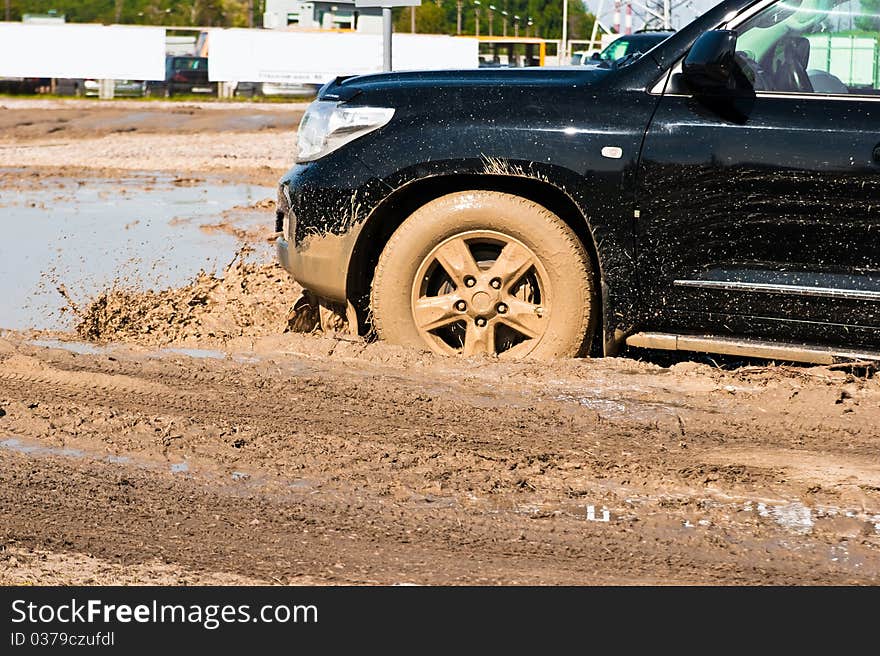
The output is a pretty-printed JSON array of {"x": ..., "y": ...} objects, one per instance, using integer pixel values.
[
  {"x": 525, "y": 318},
  {"x": 479, "y": 340},
  {"x": 456, "y": 259},
  {"x": 431, "y": 312},
  {"x": 512, "y": 264}
]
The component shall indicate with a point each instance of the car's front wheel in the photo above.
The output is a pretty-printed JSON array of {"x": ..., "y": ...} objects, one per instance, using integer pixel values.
[{"x": 484, "y": 272}]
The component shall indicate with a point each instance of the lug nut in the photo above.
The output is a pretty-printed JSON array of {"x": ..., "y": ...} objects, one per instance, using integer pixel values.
[
  {"x": 502, "y": 308},
  {"x": 480, "y": 321},
  {"x": 495, "y": 283},
  {"x": 469, "y": 281},
  {"x": 461, "y": 306}
]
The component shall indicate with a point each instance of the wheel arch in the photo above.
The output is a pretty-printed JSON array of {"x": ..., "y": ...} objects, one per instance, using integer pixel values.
[{"x": 397, "y": 207}]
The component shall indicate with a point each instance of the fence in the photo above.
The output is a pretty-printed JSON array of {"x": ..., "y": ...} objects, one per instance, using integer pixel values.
[{"x": 855, "y": 60}]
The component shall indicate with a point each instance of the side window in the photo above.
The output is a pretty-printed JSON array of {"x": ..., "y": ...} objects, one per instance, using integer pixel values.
[{"x": 813, "y": 46}]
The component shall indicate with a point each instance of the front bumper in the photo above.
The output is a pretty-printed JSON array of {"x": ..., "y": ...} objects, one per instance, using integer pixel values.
[
  {"x": 320, "y": 263},
  {"x": 322, "y": 207}
]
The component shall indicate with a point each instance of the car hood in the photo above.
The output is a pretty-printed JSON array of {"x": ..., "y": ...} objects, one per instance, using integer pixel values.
[{"x": 348, "y": 88}]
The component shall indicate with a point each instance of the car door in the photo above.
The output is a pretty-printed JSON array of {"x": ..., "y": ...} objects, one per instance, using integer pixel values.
[{"x": 768, "y": 210}]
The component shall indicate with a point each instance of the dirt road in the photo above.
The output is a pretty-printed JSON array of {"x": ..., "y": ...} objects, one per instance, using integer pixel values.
[
  {"x": 197, "y": 442},
  {"x": 247, "y": 141},
  {"x": 339, "y": 462}
]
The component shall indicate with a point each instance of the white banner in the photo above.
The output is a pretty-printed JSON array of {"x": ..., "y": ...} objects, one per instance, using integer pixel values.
[
  {"x": 82, "y": 51},
  {"x": 240, "y": 55}
]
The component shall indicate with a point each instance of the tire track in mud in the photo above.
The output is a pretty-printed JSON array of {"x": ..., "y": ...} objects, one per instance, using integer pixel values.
[
  {"x": 500, "y": 441},
  {"x": 408, "y": 485},
  {"x": 314, "y": 395},
  {"x": 272, "y": 406},
  {"x": 136, "y": 518}
]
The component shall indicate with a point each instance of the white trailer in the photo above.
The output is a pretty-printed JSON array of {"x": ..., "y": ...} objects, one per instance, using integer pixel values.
[
  {"x": 240, "y": 55},
  {"x": 100, "y": 52}
]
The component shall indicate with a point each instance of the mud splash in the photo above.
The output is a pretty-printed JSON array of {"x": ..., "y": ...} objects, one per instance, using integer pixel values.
[
  {"x": 67, "y": 239},
  {"x": 248, "y": 299}
]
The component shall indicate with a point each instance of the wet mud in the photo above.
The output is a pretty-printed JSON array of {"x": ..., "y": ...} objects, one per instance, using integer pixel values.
[
  {"x": 182, "y": 433},
  {"x": 247, "y": 299}
]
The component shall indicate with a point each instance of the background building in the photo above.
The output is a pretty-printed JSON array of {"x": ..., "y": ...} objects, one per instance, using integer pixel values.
[{"x": 284, "y": 14}]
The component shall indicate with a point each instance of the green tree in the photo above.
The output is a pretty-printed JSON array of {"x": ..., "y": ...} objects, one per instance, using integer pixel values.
[
  {"x": 220, "y": 13},
  {"x": 546, "y": 18},
  {"x": 430, "y": 19},
  {"x": 870, "y": 18}
]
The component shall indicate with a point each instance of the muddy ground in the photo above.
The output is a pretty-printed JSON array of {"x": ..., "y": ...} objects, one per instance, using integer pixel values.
[
  {"x": 244, "y": 141},
  {"x": 186, "y": 436}
]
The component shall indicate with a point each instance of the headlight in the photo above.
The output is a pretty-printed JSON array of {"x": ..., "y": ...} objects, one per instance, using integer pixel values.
[{"x": 327, "y": 126}]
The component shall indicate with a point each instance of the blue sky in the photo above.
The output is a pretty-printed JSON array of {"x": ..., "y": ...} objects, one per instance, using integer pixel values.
[{"x": 681, "y": 16}]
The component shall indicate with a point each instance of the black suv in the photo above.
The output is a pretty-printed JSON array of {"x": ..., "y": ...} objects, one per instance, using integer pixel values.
[{"x": 721, "y": 193}]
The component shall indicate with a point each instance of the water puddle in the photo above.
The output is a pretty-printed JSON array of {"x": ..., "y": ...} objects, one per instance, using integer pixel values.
[
  {"x": 794, "y": 517},
  {"x": 31, "y": 448},
  {"x": 143, "y": 231},
  {"x": 235, "y": 482},
  {"x": 198, "y": 353},
  {"x": 80, "y": 348},
  {"x": 86, "y": 348},
  {"x": 619, "y": 409},
  {"x": 38, "y": 449}
]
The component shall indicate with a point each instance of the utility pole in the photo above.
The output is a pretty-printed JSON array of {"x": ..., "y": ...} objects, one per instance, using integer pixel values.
[
  {"x": 387, "y": 25},
  {"x": 595, "y": 31},
  {"x": 8, "y": 10},
  {"x": 412, "y": 19},
  {"x": 504, "y": 14},
  {"x": 476, "y": 17},
  {"x": 387, "y": 29},
  {"x": 458, "y": 6},
  {"x": 516, "y": 26},
  {"x": 491, "y": 16},
  {"x": 250, "y": 13},
  {"x": 564, "y": 53}
]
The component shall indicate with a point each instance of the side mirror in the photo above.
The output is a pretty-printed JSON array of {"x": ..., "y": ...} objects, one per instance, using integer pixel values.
[{"x": 710, "y": 67}]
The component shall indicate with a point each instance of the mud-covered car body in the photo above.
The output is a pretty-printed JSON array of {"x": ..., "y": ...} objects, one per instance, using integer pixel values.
[{"x": 756, "y": 215}]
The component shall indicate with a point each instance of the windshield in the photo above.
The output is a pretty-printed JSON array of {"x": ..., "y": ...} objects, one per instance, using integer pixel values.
[
  {"x": 616, "y": 50},
  {"x": 190, "y": 63},
  {"x": 625, "y": 50}
]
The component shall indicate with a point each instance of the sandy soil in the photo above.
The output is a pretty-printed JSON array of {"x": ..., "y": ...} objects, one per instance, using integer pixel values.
[{"x": 281, "y": 457}]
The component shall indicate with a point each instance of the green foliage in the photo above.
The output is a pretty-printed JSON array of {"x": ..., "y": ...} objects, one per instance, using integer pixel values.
[
  {"x": 546, "y": 18},
  {"x": 433, "y": 17},
  {"x": 870, "y": 22},
  {"x": 217, "y": 13},
  {"x": 430, "y": 19}
]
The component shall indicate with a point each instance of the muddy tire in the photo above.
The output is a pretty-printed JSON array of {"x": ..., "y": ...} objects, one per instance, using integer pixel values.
[{"x": 484, "y": 272}]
